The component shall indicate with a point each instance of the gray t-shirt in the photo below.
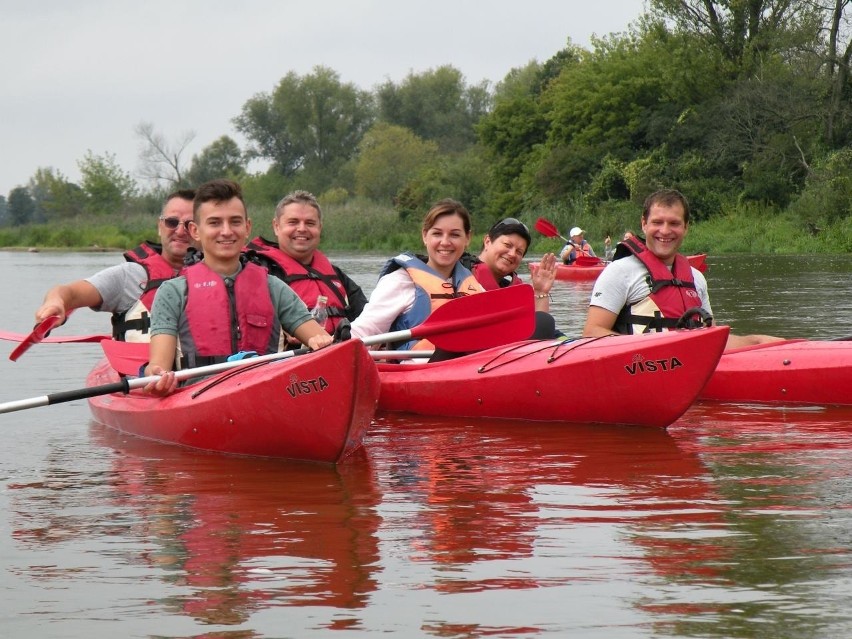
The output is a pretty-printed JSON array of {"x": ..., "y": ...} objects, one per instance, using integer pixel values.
[
  {"x": 170, "y": 302},
  {"x": 625, "y": 281},
  {"x": 120, "y": 286}
]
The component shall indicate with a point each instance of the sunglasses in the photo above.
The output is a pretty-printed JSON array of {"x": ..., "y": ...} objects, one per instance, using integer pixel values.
[
  {"x": 174, "y": 222},
  {"x": 511, "y": 221}
]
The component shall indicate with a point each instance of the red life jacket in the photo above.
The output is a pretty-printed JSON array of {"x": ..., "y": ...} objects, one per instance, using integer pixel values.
[
  {"x": 672, "y": 293},
  {"x": 485, "y": 277},
  {"x": 225, "y": 316},
  {"x": 308, "y": 282},
  {"x": 133, "y": 324}
]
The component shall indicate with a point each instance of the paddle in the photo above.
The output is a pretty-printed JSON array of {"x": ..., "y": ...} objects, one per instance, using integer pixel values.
[
  {"x": 127, "y": 384},
  {"x": 474, "y": 322},
  {"x": 39, "y": 333},
  {"x": 9, "y": 336},
  {"x": 585, "y": 260},
  {"x": 548, "y": 228}
]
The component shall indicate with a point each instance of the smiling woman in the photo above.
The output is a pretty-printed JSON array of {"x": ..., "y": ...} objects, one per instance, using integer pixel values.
[{"x": 411, "y": 288}]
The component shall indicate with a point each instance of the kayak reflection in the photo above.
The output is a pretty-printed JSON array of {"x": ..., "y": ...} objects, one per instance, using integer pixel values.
[
  {"x": 531, "y": 502},
  {"x": 244, "y": 533}
]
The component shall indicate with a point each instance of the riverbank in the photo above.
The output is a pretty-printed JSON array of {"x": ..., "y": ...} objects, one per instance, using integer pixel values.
[{"x": 364, "y": 226}]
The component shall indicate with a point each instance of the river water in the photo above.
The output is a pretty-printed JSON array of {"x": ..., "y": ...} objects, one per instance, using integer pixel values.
[{"x": 734, "y": 522}]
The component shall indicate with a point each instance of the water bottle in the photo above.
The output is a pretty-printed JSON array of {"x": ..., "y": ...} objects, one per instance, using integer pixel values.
[{"x": 320, "y": 311}]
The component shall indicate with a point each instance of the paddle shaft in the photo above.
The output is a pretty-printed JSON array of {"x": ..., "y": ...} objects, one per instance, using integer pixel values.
[{"x": 127, "y": 384}]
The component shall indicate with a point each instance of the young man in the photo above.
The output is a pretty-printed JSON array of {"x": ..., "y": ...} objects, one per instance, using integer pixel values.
[
  {"x": 296, "y": 259},
  {"x": 127, "y": 290},
  {"x": 623, "y": 301},
  {"x": 223, "y": 304}
]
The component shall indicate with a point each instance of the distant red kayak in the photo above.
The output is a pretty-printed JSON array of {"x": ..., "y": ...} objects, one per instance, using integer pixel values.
[
  {"x": 788, "y": 372},
  {"x": 647, "y": 380},
  {"x": 314, "y": 407},
  {"x": 587, "y": 271}
]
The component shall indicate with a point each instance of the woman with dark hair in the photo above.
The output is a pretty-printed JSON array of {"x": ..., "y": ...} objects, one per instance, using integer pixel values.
[{"x": 503, "y": 250}]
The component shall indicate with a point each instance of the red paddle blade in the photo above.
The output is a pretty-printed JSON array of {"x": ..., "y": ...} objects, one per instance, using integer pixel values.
[
  {"x": 585, "y": 260},
  {"x": 39, "y": 333},
  {"x": 9, "y": 336},
  {"x": 481, "y": 321},
  {"x": 546, "y": 227},
  {"x": 125, "y": 357}
]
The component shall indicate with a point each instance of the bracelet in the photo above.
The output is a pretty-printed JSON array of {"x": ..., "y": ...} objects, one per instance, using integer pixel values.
[{"x": 542, "y": 296}]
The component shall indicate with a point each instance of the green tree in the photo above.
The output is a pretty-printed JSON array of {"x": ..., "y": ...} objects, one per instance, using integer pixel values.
[
  {"x": 389, "y": 157},
  {"x": 436, "y": 105},
  {"x": 310, "y": 124},
  {"x": 20, "y": 206},
  {"x": 4, "y": 211},
  {"x": 107, "y": 186},
  {"x": 54, "y": 195},
  {"x": 221, "y": 158}
]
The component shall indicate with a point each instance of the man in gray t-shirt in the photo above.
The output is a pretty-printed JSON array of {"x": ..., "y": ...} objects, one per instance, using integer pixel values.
[{"x": 118, "y": 288}]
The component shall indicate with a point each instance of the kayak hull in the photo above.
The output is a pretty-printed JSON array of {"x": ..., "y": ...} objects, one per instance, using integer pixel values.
[
  {"x": 647, "y": 380},
  {"x": 578, "y": 273},
  {"x": 315, "y": 407},
  {"x": 789, "y": 372}
]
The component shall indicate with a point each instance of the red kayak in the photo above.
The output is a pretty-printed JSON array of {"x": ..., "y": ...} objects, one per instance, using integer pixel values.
[
  {"x": 647, "y": 380},
  {"x": 589, "y": 269},
  {"x": 314, "y": 407},
  {"x": 788, "y": 372}
]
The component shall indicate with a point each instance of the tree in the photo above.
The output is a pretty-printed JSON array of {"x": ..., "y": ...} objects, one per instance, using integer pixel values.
[
  {"x": 436, "y": 105},
  {"x": 20, "y": 206},
  {"x": 162, "y": 161},
  {"x": 55, "y": 196},
  {"x": 222, "y": 158},
  {"x": 106, "y": 186},
  {"x": 4, "y": 211},
  {"x": 311, "y": 124},
  {"x": 389, "y": 157}
]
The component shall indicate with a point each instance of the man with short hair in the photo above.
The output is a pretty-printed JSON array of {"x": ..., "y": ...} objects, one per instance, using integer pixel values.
[
  {"x": 296, "y": 259},
  {"x": 127, "y": 290},
  {"x": 650, "y": 285},
  {"x": 223, "y": 304}
]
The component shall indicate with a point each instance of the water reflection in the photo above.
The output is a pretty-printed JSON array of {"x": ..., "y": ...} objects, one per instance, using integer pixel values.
[
  {"x": 520, "y": 500},
  {"x": 231, "y": 535}
]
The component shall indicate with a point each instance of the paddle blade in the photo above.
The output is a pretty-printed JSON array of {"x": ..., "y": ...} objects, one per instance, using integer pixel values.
[
  {"x": 546, "y": 227},
  {"x": 9, "y": 336},
  {"x": 125, "y": 357},
  {"x": 585, "y": 260},
  {"x": 39, "y": 333},
  {"x": 481, "y": 321}
]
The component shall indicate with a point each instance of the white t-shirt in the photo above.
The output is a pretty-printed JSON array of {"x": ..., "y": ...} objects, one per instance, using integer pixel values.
[
  {"x": 120, "y": 286},
  {"x": 625, "y": 281},
  {"x": 394, "y": 295}
]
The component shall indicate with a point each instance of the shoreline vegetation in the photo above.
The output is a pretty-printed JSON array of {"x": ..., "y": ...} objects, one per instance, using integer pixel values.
[{"x": 364, "y": 226}]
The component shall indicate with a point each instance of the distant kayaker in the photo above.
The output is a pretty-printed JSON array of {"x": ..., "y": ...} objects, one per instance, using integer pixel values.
[
  {"x": 223, "y": 304},
  {"x": 503, "y": 250},
  {"x": 295, "y": 257},
  {"x": 127, "y": 290},
  {"x": 577, "y": 246},
  {"x": 410, "y": 288},
  {"x": 623, "y": 301}
]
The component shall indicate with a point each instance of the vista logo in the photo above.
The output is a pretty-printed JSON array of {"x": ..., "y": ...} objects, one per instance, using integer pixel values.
[{"x": 641, "y": 365}]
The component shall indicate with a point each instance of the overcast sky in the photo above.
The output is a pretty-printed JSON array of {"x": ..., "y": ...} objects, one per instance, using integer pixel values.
[{"x": 79, "y": 75}]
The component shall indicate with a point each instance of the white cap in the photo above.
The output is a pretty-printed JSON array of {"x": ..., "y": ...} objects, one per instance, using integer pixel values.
[{"x": 576, "y": 231}]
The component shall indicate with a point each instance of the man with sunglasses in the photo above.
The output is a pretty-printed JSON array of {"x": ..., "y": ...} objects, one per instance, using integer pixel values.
[{"x": 127, "y": 290}]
